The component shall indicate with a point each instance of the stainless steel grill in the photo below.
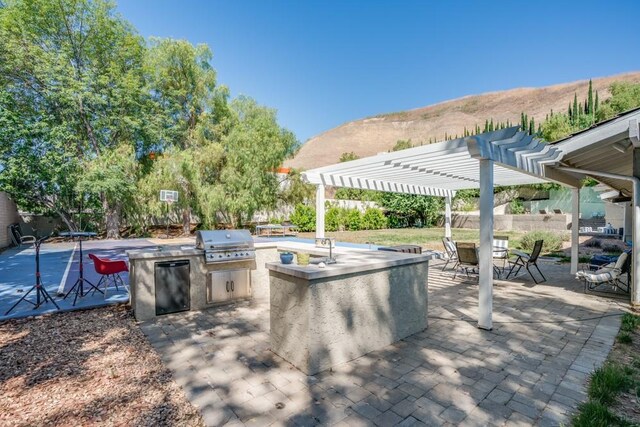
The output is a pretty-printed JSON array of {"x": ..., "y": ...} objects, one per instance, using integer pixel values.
[{"x": 226, "y": 245}]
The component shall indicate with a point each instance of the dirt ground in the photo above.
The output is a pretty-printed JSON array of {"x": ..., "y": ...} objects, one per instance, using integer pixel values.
[{"x": 86, "y": 368}]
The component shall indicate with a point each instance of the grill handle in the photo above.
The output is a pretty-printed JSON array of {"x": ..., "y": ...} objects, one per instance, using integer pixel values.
[
  {"x": 232, "y": 286},
  {"x": 227, "y": 286}
]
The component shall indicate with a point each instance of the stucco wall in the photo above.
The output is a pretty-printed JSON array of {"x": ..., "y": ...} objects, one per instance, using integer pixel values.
[
  {"x": 317, "y": 324},
  {"x": 8, "y": 215},
  {"x": 525, "y": 222}
]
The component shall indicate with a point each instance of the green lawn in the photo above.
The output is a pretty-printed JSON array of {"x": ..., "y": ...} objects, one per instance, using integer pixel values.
[{"x": 430, "y": 238}]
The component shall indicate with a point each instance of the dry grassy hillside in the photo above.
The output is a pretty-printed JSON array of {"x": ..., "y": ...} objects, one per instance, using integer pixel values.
[{"x": 376, "y": 134}]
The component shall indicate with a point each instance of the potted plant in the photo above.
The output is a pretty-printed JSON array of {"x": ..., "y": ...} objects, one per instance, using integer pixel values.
[{"x": 286, "y": 257}]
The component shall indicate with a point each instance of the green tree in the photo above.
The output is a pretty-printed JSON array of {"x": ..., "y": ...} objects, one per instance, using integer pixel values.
[
  {"x": 347, "y": 157},
  {"x": 254, "y": 148},
  {"x": 295, "y": 189},
  {"x": 71, "y": 91},
  {"x": 402, "y": 144},
  {"x": 557, "y": 127},
  {"x": 624, "y": 97},
  {"x": 192, "y": 115},
  {"x": 575, "y": 108},
  {"x": 590, "y": 106}
]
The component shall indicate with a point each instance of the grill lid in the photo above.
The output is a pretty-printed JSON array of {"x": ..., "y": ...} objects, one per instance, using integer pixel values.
[{"x": 221, "y": 240}]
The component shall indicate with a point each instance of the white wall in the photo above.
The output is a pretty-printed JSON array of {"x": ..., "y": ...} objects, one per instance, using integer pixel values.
[{"x": 8, "y": 215}]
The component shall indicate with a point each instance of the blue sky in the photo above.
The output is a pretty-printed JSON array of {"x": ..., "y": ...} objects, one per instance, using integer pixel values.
[{"x": 323, "y": 63}]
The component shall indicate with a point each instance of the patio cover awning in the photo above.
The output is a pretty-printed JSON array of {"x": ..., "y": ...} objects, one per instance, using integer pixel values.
[
  {"x": 502, "y": 157},
  {"x": 442, "y": 168}
]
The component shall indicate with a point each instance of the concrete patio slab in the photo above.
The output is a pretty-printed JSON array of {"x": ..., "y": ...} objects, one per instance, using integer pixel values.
[
  {"x": 530, "y": 369},
  {"x": 59, "y": 262}
]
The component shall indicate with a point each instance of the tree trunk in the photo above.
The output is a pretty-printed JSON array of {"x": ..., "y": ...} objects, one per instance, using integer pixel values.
[
  {"x": 71, "y": 225},
  {"x": 186, "y": 221},
  {"x": 111, "y": 219}
]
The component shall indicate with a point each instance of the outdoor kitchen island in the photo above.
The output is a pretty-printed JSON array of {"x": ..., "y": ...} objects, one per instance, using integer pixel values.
[{"x": 324, "y": 316}]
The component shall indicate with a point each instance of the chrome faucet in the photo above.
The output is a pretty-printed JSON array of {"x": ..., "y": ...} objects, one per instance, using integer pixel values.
[{"x": 328, "y": 240}]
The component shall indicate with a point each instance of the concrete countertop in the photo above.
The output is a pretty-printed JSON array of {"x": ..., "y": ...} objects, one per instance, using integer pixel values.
[
  {"x": 352, "y": 261},
  {"x": 164, "y": 252}
]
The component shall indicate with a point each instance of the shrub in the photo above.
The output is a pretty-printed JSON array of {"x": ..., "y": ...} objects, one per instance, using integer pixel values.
[
  {"x": 624, "y": 338},
  {"x": 373, "y": 219},
  {"x": 552, "y": 241},
  {"x": 304, "y": 217},
  {"x": 516, "y": 207},
  {"x": 353, "y": 219},
  {"x": 593, "y": 243},
  {"x": 630, "y": 322},
  {"x": 594, "y": 414},
  {"x": 607, "y": 381},
  {"x": 334, "y": 219},
  {"x": 611, "y": 249}
]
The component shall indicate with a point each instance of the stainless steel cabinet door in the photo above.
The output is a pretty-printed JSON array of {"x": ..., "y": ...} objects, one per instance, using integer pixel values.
[
  {"x": 219, "y": 287},
  {"x": 240, "y": 283}
]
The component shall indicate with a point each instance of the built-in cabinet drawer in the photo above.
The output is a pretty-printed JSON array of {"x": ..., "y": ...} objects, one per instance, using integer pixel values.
[{"x": 226, "y": 285}]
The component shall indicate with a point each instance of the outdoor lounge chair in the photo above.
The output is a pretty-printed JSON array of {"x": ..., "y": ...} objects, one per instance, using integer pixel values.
[
  {"x": 558, "y": 211},
  {"x": 18, "y": 238},
  {"x": 609, "y": 275},
  {"x": 501, "y": 251},
  {"x": 467, "y": 258},
  {"x": 450, "y": 250},
  {"x": 527, "y": 260}
]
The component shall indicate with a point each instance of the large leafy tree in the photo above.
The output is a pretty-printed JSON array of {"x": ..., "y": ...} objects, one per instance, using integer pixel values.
[
  {"x": 191, "y": 116},
  {"x": 254, "y": 147},
  {"x": 70, "y": 92}
]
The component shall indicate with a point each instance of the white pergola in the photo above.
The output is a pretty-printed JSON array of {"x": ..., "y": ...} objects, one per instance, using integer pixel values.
[{"x": 498, "y": 158}]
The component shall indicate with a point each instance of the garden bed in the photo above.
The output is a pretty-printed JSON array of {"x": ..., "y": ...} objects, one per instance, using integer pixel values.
[{"x": 86, "y": 367}]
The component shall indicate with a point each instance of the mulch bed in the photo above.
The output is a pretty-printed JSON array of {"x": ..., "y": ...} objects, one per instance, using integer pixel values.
[{"x": 86, "y": 368}]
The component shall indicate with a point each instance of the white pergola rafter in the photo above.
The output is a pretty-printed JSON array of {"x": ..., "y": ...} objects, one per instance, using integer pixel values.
[{"x": 502, "y": 157}]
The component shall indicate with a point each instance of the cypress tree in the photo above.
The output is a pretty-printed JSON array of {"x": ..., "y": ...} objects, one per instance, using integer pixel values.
[
  {"x": 491, "y": 125},
  {"x": 575, "y": 106},
  {"x": 596, "y": 105},
  {"x": 486, "y": 126},
  {"x": 589, "y": 107},
  {"x": 580, "y": 111},
  {"x": 532, "y": 127},
  {"x": 570, "y": 113}
]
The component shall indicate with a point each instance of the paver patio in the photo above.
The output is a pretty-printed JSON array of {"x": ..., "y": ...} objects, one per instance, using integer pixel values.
[{"x": 530, "y": 369}]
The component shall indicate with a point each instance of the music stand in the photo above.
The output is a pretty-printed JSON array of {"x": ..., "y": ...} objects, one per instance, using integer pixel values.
[
  {"x": 42, "y": 295},
  {"x": 79, "y": 285}
]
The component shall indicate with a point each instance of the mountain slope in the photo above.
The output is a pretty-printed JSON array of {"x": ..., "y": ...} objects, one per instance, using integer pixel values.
[{"x": 373, "y": 135}]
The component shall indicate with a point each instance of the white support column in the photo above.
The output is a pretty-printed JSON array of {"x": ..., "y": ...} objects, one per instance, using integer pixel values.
[
  {"x": 628, "y": 222},
  {"x": 320, "y": 211},
  {"x": 447, "y": 217},
  {"x": 485, "y": 294},
  {"x": 575, "y": 228},
  {"x": 635, "y": 268}
]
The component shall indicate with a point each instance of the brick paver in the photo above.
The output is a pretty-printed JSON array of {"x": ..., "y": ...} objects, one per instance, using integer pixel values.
[{"x": 530, "y": 369}]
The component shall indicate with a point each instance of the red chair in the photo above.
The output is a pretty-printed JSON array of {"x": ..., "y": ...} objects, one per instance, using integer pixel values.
[{"x": 109, "y": 269}]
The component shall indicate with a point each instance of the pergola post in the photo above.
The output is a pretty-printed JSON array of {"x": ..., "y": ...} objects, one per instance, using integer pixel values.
[
  {"x": 320, "y": 211},
  {"x": 628, "y": 222},
  {"x": 575, "y": 228},
  {"x": 635, "y": 203},
  {"x": 485, "y": 295},
  {"x": 447, "y": 216}
]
